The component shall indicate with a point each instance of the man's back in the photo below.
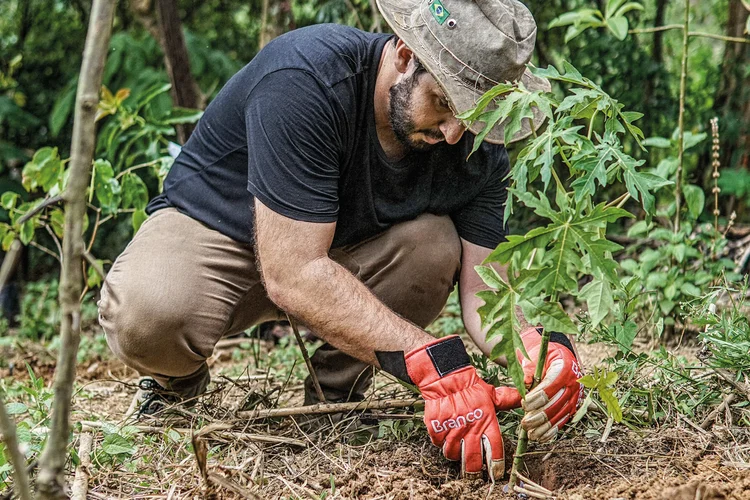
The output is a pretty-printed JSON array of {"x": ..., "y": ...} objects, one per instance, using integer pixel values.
[{"x": 295, "y": 128}]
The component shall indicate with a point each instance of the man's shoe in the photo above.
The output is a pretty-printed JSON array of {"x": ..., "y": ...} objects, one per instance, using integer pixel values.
[{"x": 152, "y": 398}]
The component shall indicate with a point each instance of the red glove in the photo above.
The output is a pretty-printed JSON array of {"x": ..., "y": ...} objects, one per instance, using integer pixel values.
[
  {"x": 554, "y": 401},
  {"x": 459, "y": 406}
]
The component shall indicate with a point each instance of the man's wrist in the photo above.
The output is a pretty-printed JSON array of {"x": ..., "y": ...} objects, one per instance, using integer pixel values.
[{"x": 426, "y": 363}]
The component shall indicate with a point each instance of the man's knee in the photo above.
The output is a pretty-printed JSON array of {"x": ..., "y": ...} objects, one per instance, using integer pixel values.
[{"x": 146, "y": 333}]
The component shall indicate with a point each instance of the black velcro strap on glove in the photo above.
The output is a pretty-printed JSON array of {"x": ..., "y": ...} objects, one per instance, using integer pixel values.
[
  {"x": 393, "y": 362},
  {"x": 562, "y": 339},
  {"x": 448, "y": 356}
]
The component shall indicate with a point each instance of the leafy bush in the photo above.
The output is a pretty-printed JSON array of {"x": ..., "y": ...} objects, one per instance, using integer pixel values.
[{"x": 40, "y": 310}]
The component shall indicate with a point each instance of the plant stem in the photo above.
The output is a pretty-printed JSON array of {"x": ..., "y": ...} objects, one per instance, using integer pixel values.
[
  {"x": 523, "y": 436},
  {"x": 681, "y": 121},
  {"x": 46, "y": 203},
  {"x": 306, "y": 356},
  {"x": 136, "y": 167},
  {"x": 719, "y": 37},
  {"x": 591, "y": 125},
  {"x": 658, "y": 28},
  {"x": 616, "y": 202},
  {"x": 51, "y": 478},
  {"x": 563, "y": 155}
]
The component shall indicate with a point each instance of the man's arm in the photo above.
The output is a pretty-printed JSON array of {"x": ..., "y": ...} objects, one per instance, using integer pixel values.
[
  {"x": 302, "y": 280},
  {"x": 469, "y": 283}
]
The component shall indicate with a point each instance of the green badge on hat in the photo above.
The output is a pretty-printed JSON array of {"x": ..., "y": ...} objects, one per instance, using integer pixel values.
[{"x": 439, "y": 12}]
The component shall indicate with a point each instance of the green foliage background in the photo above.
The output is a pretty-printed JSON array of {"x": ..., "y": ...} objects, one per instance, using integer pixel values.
[{"x": 40, "y": 53}]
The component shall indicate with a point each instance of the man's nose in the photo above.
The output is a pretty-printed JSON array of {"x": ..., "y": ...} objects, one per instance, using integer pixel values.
[{"x": 452, "y": 130}]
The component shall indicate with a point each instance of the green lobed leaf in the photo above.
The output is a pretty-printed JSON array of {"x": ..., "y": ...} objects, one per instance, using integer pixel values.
[
  {"x": 641, "y": 185},
  {"x": 588, "y": 381},
  {"x": 625, "y": 334},
  {"x": 613, "y": 405},
  {"x": 484, "y": 101},
  {"x": 506, "y": 347},
  {"x": 598, "y": 297},
  {"x": 551, "y": 315}
]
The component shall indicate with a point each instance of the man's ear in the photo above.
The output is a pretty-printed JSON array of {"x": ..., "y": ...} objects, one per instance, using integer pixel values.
[{"x": 403, "y": 56}]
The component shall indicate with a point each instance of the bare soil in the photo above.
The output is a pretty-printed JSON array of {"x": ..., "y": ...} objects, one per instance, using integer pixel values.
[{"x": 674, "y": 461}]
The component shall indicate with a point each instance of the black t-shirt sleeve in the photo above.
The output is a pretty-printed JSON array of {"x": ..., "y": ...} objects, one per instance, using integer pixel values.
[
  {"x": 481, "y": 221},
  {"x": 293, "y": 146}
]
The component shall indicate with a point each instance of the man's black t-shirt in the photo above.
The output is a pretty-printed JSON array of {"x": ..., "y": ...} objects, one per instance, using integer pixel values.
[{"x": 295, "y": 129}]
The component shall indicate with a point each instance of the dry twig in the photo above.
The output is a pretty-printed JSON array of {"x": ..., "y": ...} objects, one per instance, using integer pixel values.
[
  {"x": 327, "y": 408},
  {"x": 81, "y": 481}
]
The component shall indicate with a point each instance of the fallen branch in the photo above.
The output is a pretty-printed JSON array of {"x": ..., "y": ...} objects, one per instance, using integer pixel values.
[
  {"x": 229, "y": 343},
  {"x": 81, "y": 482},
  {"x": 728, "y": 399},
  {"x": 223, "y": 430},
  {"x": 327, "y": 408},
  {"x": 725, "y": 374},
  {"x": 529, "y": 493},
  {"x": 531, "y": 485}
]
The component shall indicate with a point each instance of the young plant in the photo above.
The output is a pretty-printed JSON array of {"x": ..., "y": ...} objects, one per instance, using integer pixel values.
[
  {"x": 132, "y": 132},
  {"x": 549, "y": 261}
]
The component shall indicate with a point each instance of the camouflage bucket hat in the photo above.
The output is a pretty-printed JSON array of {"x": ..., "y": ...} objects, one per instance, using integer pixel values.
[{"x": 469, "y": 47}]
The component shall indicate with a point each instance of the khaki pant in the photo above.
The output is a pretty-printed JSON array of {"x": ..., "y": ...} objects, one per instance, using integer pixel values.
[{"x": 179, "y": 287}]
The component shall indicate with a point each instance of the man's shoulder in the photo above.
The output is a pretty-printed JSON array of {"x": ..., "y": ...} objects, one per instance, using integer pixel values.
[{"x": 330, "y": 52}]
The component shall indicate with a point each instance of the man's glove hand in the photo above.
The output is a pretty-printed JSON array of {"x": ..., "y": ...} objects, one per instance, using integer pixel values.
[
  {"x": 554, "y": 401},
  {"x": 459, "y": 406}
]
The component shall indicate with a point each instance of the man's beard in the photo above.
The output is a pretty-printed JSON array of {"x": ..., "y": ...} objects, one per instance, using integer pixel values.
[{"x": 399, "y": 115}]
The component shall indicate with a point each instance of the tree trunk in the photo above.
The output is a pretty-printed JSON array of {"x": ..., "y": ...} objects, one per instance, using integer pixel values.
[
  {"x": 277, "y": 19},
  {"x": 185, "y": 92},
  {"x": 657, "y": 58},
  {"x": 51, "y": 479},
  {"x": 166, "y": 27}
]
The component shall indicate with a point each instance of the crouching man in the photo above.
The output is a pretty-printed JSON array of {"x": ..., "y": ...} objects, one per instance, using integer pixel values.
[{"x": 329, "y": 179}]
